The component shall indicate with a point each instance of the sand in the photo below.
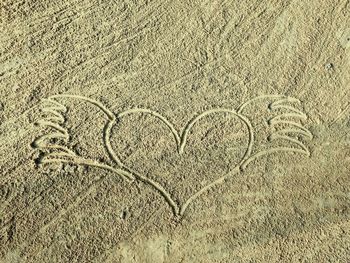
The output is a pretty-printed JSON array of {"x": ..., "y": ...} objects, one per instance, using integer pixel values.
[{"x": 175, "y": 131}]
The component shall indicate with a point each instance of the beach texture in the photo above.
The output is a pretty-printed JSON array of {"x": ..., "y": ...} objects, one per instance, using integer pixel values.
[{"x": 175, "y": 131}]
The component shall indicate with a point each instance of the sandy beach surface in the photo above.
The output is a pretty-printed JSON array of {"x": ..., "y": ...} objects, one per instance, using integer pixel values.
[{"x": 175, "y": 131}]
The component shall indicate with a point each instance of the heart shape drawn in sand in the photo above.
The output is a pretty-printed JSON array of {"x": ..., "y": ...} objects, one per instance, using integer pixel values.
[{"x": 240, "y": 140}]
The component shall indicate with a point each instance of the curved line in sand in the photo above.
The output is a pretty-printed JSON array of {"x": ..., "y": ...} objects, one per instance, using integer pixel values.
[
  {"x": 94, "y": 102},
  {"x": 273, "y": 150},
  {"x": 157, "y": 115},
  {"x": 181, "y": 142},
  {"x": 125, "y": 175}
]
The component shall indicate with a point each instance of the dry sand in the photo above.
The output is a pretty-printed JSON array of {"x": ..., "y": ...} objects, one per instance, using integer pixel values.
[{"x": 175, "y": 131}]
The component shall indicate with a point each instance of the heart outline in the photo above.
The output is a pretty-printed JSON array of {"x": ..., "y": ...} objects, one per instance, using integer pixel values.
[
  {"x": 58, "y": 153},
  {"x": 180, "y": 139}
]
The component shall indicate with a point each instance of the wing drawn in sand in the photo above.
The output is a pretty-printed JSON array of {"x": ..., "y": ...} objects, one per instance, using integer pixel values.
[
  {"x": 54, "y": 142},
  {"x": 277, "y": 124},
  {"x": 274, "y": 124}
]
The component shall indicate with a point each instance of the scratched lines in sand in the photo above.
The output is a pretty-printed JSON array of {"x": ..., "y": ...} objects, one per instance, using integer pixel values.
[{"x": 284, "y": 118}]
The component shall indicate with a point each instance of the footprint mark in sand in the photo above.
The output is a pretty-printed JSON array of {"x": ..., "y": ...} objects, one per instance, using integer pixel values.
[{"x": 283, "y": 132}]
